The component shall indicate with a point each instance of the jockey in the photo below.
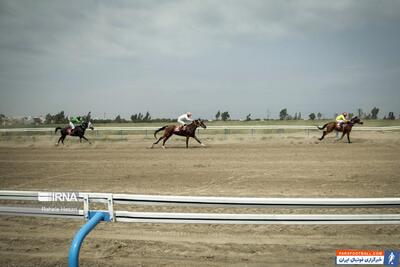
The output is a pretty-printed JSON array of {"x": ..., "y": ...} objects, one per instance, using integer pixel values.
[
  {"x": 342, "y": 118},
  {"x": 185, "y": 119},
  {"x": 77, "y": 120}
]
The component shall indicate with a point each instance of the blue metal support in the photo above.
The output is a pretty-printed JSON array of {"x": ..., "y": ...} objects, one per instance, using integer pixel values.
[{"x": 95, "y": 217}]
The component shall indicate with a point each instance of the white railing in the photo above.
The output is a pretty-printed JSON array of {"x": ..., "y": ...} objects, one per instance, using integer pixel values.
[
  {"x": 227, "y": 127},
  {"x": 209, "y": 218}
]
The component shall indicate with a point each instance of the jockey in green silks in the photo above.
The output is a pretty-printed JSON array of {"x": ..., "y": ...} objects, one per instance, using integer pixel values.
[{"x": 75, "y": 120}]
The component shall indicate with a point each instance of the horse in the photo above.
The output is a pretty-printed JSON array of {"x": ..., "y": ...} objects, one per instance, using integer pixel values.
[
  {"x": 78, "y": 131},
  {"x": 187, "y": 131},
  {"x": 345, "y": 129}
]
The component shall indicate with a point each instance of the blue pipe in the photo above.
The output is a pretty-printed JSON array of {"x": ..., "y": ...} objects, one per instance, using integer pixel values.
[{"x": 94, "y": 219}]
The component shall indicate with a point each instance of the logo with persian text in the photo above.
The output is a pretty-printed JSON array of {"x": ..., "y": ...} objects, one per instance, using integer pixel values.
[{"x": 367, "y": 257}]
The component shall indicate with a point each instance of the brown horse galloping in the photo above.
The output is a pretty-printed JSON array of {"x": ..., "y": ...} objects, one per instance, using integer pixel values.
[
  {"x": 188, "y": 131},
  {"x": 345, "y": 129}
]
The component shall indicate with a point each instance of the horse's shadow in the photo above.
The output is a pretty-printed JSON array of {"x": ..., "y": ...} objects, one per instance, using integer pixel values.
[{"x": 181, "y": 147}]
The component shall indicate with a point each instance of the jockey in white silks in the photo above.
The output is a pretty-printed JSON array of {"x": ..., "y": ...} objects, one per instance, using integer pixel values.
[{"x": 185, "y": 119}]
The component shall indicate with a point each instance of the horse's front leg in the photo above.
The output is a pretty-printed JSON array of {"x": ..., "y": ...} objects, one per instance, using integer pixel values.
[
  {"x": 348, "y": 137},
  {"x": 187, "y": 142},
  {"x": 197, "y": 139},
  {"x": 86, "y": 139}
]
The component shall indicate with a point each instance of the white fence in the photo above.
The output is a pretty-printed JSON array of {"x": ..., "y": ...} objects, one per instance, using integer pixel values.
[
  {"x": 212, "y": 202},
  {"x": 227, "y": 127}
]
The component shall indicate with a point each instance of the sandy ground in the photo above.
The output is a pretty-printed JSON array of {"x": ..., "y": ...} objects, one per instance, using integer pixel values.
[{"x": 254, "y": 166}]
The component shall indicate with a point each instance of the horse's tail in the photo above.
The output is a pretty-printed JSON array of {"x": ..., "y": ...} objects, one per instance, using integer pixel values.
[
  {"x": 323, "y": 127},
  {"x": 162, "y": 128},
  {"x": 58, "y": 128}
]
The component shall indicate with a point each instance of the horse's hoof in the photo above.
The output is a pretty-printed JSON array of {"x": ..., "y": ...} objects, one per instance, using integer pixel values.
[
  {"x": 163, "y": 147},
  {"x": 203, "y": 145}
]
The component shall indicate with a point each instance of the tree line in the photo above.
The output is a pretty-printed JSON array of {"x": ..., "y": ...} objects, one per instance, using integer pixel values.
[
  {"x": 372, "y": 115},
  {"x": 284, "y": 115},
  {"x": 62, "y": 118}
]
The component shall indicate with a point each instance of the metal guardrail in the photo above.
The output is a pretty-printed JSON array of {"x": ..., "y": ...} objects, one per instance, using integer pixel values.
[
  {"x": 242, "y": 202},
  {"x": 213, "y": 218},
  {"x": 207, "y": 201},
  {"x": 227, "y": 127},
  {"x": 94, "y": 217}
]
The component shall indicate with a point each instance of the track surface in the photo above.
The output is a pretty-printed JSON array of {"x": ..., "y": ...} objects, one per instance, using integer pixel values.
[{"x": 272, "y": 166}]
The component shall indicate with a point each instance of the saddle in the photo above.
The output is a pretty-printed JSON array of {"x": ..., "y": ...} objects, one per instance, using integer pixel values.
[
  {"x": 341, "y": 126},
  {"x": 70, "y": 131},
  {"x": 179, "y": 128}
]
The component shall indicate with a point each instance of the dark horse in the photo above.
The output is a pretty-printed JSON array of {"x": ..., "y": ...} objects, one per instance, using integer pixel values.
[
  {"x": 345, "y": 129},
  {"x": 188, "y": 131},
  {"x": 78, "y": 131}
]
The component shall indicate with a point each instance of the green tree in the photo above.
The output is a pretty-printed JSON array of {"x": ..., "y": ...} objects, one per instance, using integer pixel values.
[
  {"x": 312, "y": 116},
  {"x": 118, "y": 119},
  {"x": 60, "y": 117},
  {"x": 319, "y": 115},
  {"x": 248, "y": 117},
  {"x": 134, "y": 117},
  {"x": 225, "y": 115},
  {"x": 217, "y": 115},
  {"x": 147, "y": 117},
  {"x": 2, "y": 118},
  {"x": 374, "y": 113},
  {"x": 360, "y": 113},
  {"x": 48, "y": 119},
  {"x": 391, "y": 116},
  {"x": 283, "y": 114}
]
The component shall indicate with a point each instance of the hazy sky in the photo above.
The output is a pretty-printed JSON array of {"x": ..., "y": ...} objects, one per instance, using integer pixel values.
[{"x": 169, "y": 57}]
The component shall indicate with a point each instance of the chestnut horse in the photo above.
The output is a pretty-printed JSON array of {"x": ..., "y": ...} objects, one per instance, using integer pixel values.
[
  {"x": 345, "y": 129},
  {"x": 188, "y": 131}
]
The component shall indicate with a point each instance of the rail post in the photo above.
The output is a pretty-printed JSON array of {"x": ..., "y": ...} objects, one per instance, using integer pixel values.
[{"x": 94, "y": 219}]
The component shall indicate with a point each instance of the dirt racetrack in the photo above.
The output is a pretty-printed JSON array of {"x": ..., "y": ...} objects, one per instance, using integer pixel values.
[{"x": 260, "y": 166}]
